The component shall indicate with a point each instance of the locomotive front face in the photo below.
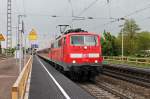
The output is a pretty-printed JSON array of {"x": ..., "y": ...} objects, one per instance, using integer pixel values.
[{"x": 84, "y": 49}]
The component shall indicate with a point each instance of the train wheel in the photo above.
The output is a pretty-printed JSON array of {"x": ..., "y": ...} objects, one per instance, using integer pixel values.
[{"x": 67, "y": 73}]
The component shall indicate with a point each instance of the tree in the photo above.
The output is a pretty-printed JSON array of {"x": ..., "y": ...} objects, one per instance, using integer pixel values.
[
  {"x": 130, "y": 28},
  {"x": 130, "y": 31},
  {"x": 109, "y": 47},
  {"x": 143, "y": 41}
]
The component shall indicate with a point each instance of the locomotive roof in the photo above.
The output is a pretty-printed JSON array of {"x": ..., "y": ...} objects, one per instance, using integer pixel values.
[
  {"x": 75, "y": 33},
  {"x": 81, "y": 33}
]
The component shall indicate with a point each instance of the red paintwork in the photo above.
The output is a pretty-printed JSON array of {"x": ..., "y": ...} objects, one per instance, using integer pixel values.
[{"x": 62, "y": 54}]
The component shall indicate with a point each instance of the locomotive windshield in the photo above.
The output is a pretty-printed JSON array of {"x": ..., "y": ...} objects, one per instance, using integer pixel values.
[{"x": 83, "y": 40}]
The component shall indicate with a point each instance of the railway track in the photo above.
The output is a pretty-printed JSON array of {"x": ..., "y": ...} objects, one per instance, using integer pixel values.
[
  {"x": 134, "y": 75},
  {"x": 126, "y": 88},
  {"x": 102, "y": 91},
  {"x": 106, "y": 87},
  {"x": 114, "y": 92},
  {"x": 136, "y": 79},
  {"x": 105, "y": 91}
]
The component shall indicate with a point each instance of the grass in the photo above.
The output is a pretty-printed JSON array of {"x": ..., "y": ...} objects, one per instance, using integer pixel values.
[{"x": 128, "y": 63}]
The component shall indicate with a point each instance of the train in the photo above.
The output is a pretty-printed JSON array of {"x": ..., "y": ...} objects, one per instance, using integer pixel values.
[{"x": 78, "y": 54}]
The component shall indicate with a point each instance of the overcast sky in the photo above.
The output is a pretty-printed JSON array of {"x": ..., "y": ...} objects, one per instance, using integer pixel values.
[{"x": 38, "y": 15}]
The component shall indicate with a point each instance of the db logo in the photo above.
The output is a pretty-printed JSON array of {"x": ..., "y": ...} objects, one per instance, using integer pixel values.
[{"x": 85, "y": 55}]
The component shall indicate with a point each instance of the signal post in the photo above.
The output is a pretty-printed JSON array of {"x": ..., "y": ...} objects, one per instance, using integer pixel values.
[
  {"x": 1, "y": 39},
  {"x": 33, "y": 37}
]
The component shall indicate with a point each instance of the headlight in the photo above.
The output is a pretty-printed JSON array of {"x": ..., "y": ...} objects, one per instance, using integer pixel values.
[
  {"x": 96, "y": 61},
  {"x": 73, "y": 61}
]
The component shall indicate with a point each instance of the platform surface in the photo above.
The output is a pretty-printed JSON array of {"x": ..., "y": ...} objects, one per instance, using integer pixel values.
[{"x": 43, "y": 83}]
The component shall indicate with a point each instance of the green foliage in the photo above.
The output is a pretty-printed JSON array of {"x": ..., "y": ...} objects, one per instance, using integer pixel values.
[
  {"x": 135, "y": 43},
  {"x": 109, "y": 47},
  {"x": 143, "y": 40},
  {"x": 10, "y": 51},
  {"x": 129, "y": 31}
]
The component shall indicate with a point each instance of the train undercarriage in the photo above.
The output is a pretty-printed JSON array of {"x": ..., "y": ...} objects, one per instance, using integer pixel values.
[
  {"x": 86, "y": 72},
  {"x": 80, "y": 72}
]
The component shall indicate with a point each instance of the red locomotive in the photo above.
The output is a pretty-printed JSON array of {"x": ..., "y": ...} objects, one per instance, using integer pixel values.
[{"x": 77, "y": 52}]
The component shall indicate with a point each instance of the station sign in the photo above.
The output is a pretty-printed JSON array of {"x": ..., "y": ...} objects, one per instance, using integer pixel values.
[
  {"x": 32, "y": 35},
  {"x": 2, "y": 37},
  {"x": 34, "y": 46}
]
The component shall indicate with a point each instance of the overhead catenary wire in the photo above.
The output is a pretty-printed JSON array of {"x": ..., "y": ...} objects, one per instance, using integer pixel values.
[
  {"x": 24, "y": 6},
  {"x": 72, "y": 11},
  {"x": 1, "y": 17},
  {"x": 59, "y": 16},
  {"x": 33, "y": 14},
  {"x": 137, "y": 11},
  {"x": 109, "y": 10},
  {"x": 128, "y": 15},
  {"x": 108, "y": 1},
  {"x": 86, "y": 8}
]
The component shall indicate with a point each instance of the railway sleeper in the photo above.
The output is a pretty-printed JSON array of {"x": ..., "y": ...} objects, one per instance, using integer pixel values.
[
  {"x": 126, "y": 78},
  {"x": 130, "y": 75}
]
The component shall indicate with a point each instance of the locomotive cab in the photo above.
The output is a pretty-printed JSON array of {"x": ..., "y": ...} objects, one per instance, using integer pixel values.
[
  {"x": 78, "y": 53},
  {"x": 84, "y": 49}
]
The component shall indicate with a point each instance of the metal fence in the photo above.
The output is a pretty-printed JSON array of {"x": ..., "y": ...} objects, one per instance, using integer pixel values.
[
  {"x": 19, "y": 87},
  {"x": 127, "y": 59}
]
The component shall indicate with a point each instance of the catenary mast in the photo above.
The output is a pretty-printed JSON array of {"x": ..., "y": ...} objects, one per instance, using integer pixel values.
[{"x": 9, "y": 25}]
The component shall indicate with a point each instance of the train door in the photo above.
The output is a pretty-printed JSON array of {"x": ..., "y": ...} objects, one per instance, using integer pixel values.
[
  {"x": 63, "y": 48},
  {"x": 51, "y": 51}
]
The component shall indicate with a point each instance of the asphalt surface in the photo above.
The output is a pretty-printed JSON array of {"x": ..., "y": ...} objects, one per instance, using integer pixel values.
[
  {"x": 8, "y": 74},
  {"x": 43, "y": 85}
]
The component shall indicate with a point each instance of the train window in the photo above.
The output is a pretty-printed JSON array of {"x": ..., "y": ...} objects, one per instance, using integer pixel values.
[
  {"x": 64, "y": 40},
  {"x": 52, "y": 45},
  {"x": 90, "y": 40},
  {"x": 55, "y": 45},
  {"x": 59, "y": 43},
  {"x": 77, "y": 40},
  {"x": 82, "y": 40}
]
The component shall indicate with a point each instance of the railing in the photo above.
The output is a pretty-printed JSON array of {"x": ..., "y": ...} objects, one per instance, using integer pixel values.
[
  {"x": 19, "y": 87},
  {"x": 127, "y": 59}
]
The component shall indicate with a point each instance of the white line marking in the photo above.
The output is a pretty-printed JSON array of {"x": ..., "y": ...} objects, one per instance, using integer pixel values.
[
  {"x": 26, "y": 96},
  {"x": 58, "y": 85}
]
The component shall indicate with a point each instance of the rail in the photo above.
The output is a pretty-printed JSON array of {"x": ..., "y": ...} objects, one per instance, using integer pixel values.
[
  {"x": 19, "y": 87},
  {"x": 128, "y": 59},
  {"x": 137, "y": 76}
]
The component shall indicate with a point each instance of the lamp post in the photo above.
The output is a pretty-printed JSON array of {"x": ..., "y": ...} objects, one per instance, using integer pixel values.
[
  {"x": 15, "y": 27},
  {"x": 122, "y": 43},
  {"x": 25, "y": 37},
  {"x": 122, "y": 51},
  {"x": 20, "y": 30}
]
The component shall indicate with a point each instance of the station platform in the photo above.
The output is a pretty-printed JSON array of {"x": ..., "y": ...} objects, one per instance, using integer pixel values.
[
  {"x": 48, "y": 83},
  {"x": 9, "y": 71}
]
